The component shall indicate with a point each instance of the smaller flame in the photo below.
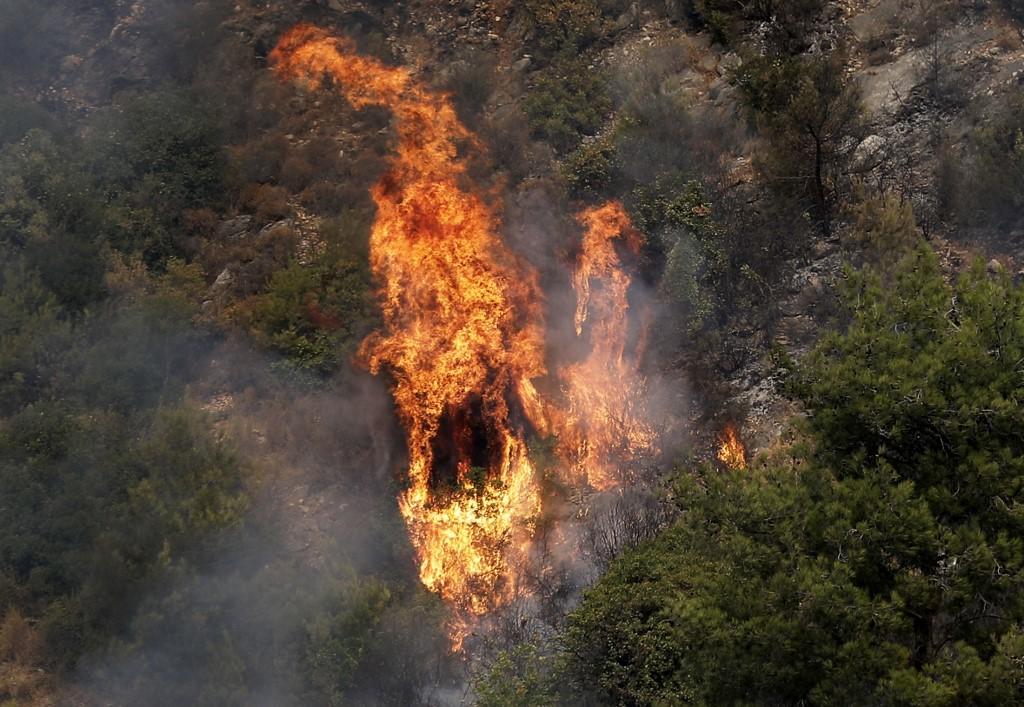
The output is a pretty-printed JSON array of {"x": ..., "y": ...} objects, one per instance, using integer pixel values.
[{"x": 731, "y": 451}]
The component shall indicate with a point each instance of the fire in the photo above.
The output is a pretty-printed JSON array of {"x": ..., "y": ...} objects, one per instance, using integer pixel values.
[
  {"x": 730, "y": 449},
  {"x": 602, "y": 425},
  {"x": 461, "y": 337},
  {"x": 463, "y": 341}
]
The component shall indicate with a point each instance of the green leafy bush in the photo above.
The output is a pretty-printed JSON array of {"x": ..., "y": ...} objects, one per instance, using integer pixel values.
[
  {"x": 589, "y": 169},
  {"x": 877, "y": 560},
  {"x": 316, "y": 313},
  {"x": 567, "y": 102},
  {"x": 96, "y": 505}
]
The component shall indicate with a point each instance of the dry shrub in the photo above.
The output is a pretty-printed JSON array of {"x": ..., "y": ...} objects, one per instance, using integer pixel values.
[
  {"x": 471, "y": 82},
  {"x": 266, "y": 202},
  {"x": 619, "y": 522},
  {"x": 1009, "y": 40},
  {"x": 252, "y": 261},
  {"x": 20, "y": 642},
  {"x": 508, "y": 136},
  {"x": 639, "y": 76},
  {"x": 200, "y": 222},
  {"x": 324, "y": 157},
  {"x": 262, "y": 159},
  {"x": 324, "y": 198},
  {"x": 878, "y": 51},
  {"x": 296, "y": 173}
]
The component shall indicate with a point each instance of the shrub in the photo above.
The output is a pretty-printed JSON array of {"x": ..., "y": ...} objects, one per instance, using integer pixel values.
[
  {"x": 874, "y": 561},
  {"x": 261, "y": 160},
  {"x": 316, "y": 313},
  {"x": 884, "y": 225},
  {"x": 171, "y": 141},
  {"x": 790, "y": 20},
  {"x": 810, "y": 116},
  {"x": 567, "y": 102},
  {"x": 996, "y": 170},
  {"x": 17, "y": 118},
  {"x": 563, "y": 26},
  {"x": 471, "y": 82},
  {"x": 590, "y": 168},
  {"x": 268, "y": 203}
]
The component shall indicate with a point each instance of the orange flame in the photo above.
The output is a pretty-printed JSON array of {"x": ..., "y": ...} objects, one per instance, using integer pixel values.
[
  {"x": 461, "y": 335},
  {"x": 602, "y": 426},
  {"x": 731, "y": 451},
  {"x": 463, "y": 341}
]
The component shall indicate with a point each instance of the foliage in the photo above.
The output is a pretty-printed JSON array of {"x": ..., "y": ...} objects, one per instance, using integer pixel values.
[
  {"x": 876, "y": 560},
  {"x": 677, "y": 211},
  {"x": 95, "y": 507},
  {"x": 518, "y": 677},
  {"x": 337, "y": 640},
  {"x": 590, "y": 168},
  {"x": 885, "y": 227},
  {"x": 790, "y": 19},
  {"x": 31, "y": 335},
  {"x": 51, "y": 213},
  {"x": 564, "y": 27},
  {"x": 810, "y": 117},
  {"x": 316, "y": 313},
  {"x": 158, "y": 155},
  {"x": 995, "y": 174},
  {"x": 18, "y": 117},
  {"x": 567, "y": 101}
]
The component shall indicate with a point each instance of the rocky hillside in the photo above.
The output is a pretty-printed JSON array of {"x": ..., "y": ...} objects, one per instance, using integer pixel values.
[{"x": 763, "y": 149}]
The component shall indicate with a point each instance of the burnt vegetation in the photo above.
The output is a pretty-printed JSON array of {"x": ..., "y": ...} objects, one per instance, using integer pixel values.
[{"x": 832, "y": 210}]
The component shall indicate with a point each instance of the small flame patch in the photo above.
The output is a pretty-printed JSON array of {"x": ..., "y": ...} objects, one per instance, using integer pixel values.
[{"x": 731, "y": 451}]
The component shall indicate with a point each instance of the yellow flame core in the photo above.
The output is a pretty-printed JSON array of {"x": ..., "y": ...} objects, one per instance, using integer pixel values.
[
  {"x": 731, "y": 451},
  {"x": 602, "y": 425},
  {"x": 461, "y": 336},
  {"x": 463, "y": 341}
]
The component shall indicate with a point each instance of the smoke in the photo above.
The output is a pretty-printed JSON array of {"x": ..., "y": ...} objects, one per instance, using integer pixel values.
[
  {"x": 263, "y": 613},
  {"x": 317, "y": 594}
]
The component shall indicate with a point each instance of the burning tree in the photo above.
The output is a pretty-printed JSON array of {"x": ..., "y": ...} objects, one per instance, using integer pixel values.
[{"x": 462, "y": 340}]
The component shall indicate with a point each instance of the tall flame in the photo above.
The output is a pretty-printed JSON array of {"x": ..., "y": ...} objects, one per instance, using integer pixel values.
[
  {"x": 461, "y": 335},
  {"x": 463, "y": 340},
  {"x": 602, "y": 426}
]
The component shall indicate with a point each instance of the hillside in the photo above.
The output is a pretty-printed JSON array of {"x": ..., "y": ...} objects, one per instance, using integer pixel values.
[{"x": 479, "y": 352}]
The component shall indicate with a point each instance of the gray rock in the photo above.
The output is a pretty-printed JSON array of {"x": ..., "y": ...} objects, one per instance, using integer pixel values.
[
  {"x": 234, "y": 227},
  {"x": 224, "y": 279},
  {"x": 869, "y": 151},
  {"x": 271, "y": 227}
]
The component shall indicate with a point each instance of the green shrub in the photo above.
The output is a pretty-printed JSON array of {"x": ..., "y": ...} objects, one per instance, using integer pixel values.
[
  {"x": 567, "y": 102},
  {"x": 790, "y": 19},
  {"x": 676, "y": 212},
  {"x": 316, "y": 313},
  {"x": 589, "y": 169},
  {"x": 338, "y": 639},
  {"x": 564, "y": 26},
  {"x": 810, "y": 116},
  {"x": 877, "y": 560},
  {"x": 99, "y": 501}
]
